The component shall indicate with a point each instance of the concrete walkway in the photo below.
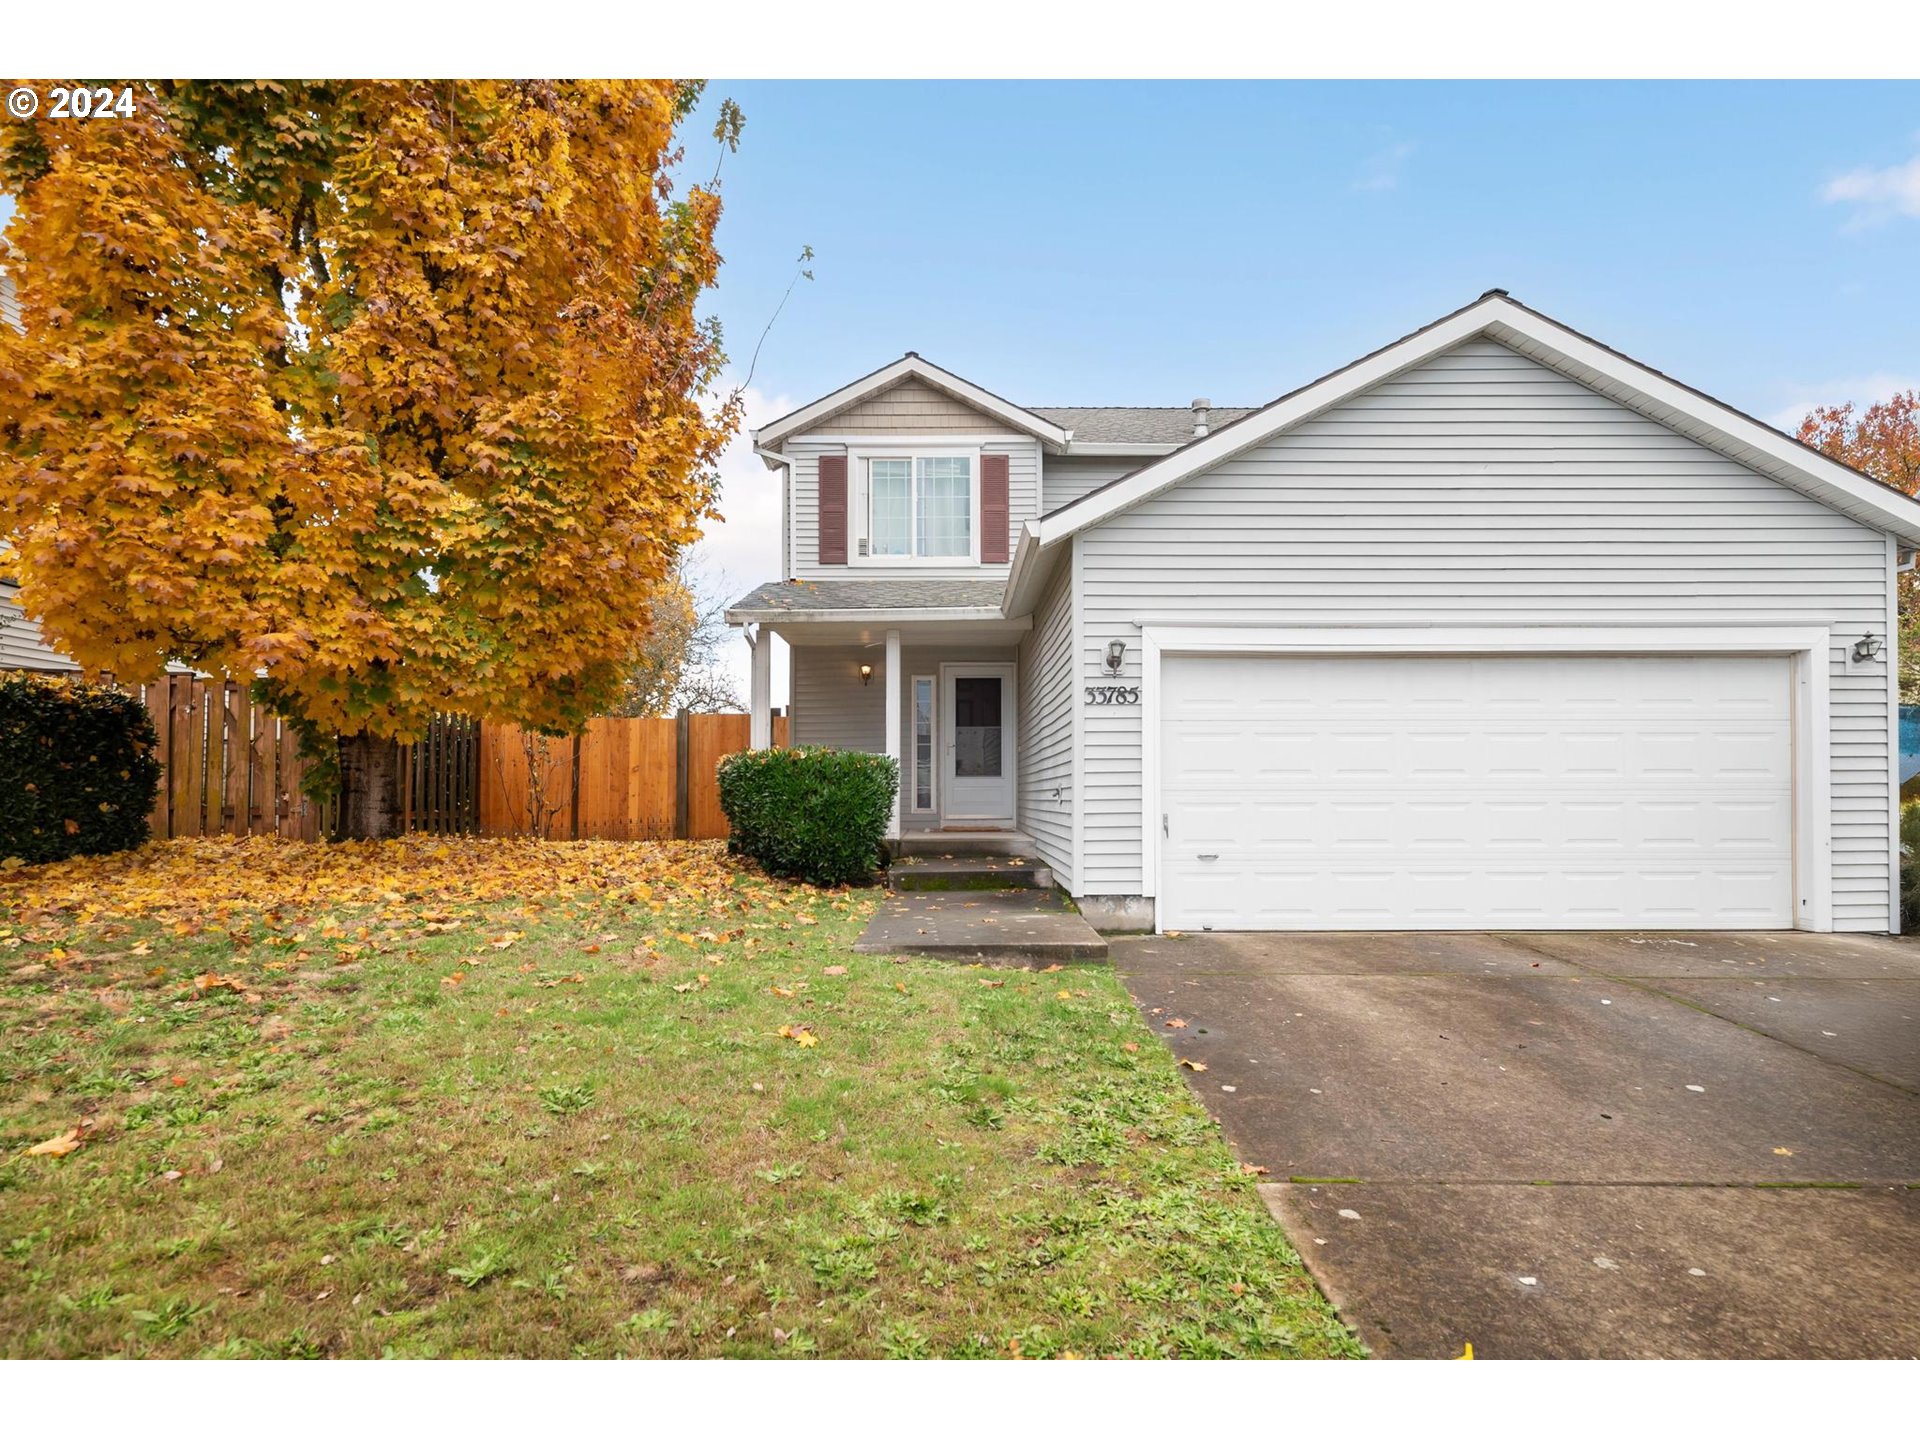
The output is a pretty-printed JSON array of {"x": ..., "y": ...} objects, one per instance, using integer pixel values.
[
  {"x": 1010, "y": 927},
  {"x": 1573, "y": 1145}
]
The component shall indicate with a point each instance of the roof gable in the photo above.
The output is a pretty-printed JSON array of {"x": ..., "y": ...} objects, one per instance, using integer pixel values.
[
  {"x": 1496, "y": 316},
  {"x": 924, "y": 376}
]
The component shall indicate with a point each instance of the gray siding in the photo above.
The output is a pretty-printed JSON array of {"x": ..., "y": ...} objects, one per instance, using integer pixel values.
[
  {"x": 803, "y": 507},
  {"x": 1065, "y": 478},
  {"x": 21, "y": 647},
  {"x": 1046, "y": 728},
  {"x": 1483, "y": 484}
]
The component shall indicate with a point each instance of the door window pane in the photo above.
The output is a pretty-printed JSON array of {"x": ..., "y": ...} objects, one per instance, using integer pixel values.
[
  {"x": 976, "y": 726},
  {"x": 923, "y": 742},
  {"x": 889, "y": 500},
  {"x": 945, "y": 505}
]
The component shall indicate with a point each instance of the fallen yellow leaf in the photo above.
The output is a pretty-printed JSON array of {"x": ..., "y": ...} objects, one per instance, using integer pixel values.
[
  {"x": 1193, "y": 1065},
  {"x": 64, "y": 1143}
]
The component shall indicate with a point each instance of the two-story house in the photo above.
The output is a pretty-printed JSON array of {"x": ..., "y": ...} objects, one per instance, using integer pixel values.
[{"x": 1494, "y": 628}]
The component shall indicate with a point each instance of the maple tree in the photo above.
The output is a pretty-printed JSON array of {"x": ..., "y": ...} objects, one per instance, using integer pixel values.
[
  {"x": 392, "y": 394},
  {"x": 1884, "y": 442}
]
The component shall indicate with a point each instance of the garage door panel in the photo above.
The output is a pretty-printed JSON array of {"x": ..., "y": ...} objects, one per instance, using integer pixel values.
[{"x": 1509, "y": 792}]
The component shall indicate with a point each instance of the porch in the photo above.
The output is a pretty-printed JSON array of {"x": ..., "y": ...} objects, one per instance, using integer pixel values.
[{"x": 935, "y": 686}]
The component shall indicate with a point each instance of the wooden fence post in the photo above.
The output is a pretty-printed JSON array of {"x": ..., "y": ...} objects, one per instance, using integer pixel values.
[
  {"x": 573, "y": 803},
  {"x": 682, "y": 768}
]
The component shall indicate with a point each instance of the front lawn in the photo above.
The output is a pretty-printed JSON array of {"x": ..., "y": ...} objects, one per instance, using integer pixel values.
[{"x": 471, "y": 1097}]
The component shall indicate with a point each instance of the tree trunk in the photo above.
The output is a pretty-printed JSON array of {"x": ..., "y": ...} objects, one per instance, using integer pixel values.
[{"x": 370, "y": 801}]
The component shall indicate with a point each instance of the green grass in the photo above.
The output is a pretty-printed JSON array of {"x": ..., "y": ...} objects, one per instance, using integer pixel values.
[{"x": 398, "y": 1136}]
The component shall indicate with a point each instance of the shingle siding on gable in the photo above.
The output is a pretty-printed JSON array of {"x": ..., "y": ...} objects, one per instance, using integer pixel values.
[
  {"x": 1484, "y": 484},
  {"x": 912, "y": 407}
]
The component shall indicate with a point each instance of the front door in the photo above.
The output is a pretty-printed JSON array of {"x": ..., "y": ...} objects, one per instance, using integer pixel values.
[{"x": 977, "y": 744}]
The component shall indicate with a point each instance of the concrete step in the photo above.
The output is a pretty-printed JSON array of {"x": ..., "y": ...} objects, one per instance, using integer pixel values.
[
  {"x": 962, "y": 842},
  {"x": 1008, "y": 927},
  {"x": 969, "y": 872}
]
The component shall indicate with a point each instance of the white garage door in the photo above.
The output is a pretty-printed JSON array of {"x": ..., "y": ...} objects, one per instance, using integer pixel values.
[{"x": 1457, "y": 793}]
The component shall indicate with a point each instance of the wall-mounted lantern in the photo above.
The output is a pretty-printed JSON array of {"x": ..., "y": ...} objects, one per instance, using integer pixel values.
[
  {"x": 1116, "y": 655},
  {"x": 1866, "y": 647},
  {"x": 866, "y": 673}
]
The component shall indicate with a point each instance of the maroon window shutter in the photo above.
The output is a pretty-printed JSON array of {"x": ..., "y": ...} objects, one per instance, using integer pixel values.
[
  {"x": 833, "y": 509},
  {"x": 995, "y": 509}
]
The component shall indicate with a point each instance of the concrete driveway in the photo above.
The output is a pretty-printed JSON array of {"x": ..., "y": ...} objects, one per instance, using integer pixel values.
[{"x": 1615, "y": 1145}]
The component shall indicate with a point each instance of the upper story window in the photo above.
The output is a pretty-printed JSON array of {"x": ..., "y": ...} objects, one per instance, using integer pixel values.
[{"x": 920, "y": 507}]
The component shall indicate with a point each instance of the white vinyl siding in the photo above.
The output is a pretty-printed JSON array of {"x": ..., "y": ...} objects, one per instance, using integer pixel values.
[
  {"x": 803, "y": 511},
  {"x": 1482, "y": 484},
  {"x": 831, "y": 707},
  {"x": 1065, "y": 478},
  {"x": 1046, "y": 729},
  {"x": 21, "y": 646}
]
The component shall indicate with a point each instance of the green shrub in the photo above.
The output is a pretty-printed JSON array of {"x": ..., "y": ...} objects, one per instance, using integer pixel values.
[
  {"x": 77, "y": 769},
  {"x": 809, "y": 814}
]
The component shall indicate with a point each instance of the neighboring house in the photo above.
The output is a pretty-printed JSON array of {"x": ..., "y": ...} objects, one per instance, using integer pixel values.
[
  {"x": 21, "y": 644},
  {"x": 1494, "y": 628}
]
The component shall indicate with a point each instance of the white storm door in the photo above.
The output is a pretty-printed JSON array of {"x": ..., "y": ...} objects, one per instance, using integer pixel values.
[
  {"x": 976, "y": 743},
  {"x": 1477, "y": 793}
]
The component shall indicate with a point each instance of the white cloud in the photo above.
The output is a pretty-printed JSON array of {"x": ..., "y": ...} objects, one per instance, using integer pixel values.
[
  {"x": 1861, "y": 390},
  {"x": 1383, "y": 168},
  {"x": 1876, "y": 195},
  {"x": 743, "y": 550}
]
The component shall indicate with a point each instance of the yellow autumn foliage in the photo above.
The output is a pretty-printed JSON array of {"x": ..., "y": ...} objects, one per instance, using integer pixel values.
[{"x": 392, "y": 391}]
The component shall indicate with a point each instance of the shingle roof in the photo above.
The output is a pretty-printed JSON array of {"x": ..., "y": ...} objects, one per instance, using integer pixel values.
[
  {"x": 1135, "y": 424},
  {"x": 803, "y": 597}
]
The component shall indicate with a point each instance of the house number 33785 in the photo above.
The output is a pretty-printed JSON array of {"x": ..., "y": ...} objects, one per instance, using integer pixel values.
[{"x": 1113, "y": 694}]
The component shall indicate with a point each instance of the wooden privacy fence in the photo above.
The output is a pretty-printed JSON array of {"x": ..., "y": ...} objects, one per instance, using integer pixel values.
[
  {"x": 621, "y": 780},
  {"x": 230, "y": 767}
]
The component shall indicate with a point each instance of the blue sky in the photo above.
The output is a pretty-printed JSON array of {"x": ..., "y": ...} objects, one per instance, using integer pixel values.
[
  {"x": 1146, "y": 243},
  {"x": 1143, "y": 243}
]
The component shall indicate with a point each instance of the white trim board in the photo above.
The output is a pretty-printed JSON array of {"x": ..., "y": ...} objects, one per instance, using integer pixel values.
[{"x": 1807, "y": 647}]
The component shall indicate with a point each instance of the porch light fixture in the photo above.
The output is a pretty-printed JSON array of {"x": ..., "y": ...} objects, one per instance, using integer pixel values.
[
  {"x": 1116, "y": 655},
  {"x": 1866, "y": 647},
  {"x": 866, "y": 673}
]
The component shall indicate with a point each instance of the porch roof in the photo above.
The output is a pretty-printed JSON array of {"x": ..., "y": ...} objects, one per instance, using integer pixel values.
[{"x": 787, "y": 601}]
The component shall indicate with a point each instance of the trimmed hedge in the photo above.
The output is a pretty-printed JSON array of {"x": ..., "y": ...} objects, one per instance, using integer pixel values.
[
  {"x": 77, "y": 769},
  {"x": 809, "y": 814}
]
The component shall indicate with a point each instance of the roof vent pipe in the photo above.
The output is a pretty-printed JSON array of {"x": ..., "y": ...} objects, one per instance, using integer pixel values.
[{"x": 1200, "y": 409}]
